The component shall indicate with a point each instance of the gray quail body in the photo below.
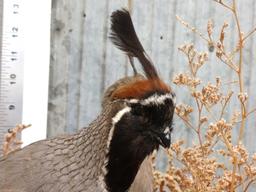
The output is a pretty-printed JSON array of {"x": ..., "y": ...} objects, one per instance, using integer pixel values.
[{"x": 113, "y": 153}]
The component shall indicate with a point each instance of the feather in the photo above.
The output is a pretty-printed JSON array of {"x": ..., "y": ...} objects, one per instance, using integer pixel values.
[
  {"x": 144, "y": 179},
  {"x": 123, "y": 35},
  {"x": 139, "y": 89},
  {"x": 65, "y": 163}
]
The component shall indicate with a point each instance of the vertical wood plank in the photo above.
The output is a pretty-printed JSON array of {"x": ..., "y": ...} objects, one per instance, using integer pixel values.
[
  {"x": 74, "y": 43},
  {"x": 92, "y": 60},
  {"x": 115, "y": 59},
  {"x": 57, "y": 120},
  {"x": 2, "y": 131}
]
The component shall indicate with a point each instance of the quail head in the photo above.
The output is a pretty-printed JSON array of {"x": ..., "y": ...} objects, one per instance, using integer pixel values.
[{"x": 145, "y": 120}]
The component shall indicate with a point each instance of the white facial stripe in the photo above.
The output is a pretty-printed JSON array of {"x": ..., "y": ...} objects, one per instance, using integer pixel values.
[
  {"x": 167, "y": 129},
  {"x": 156, "y": 99},
  {"x": 120, "y": 114},
  {"x": 173, "y": 98},
  {"x": 115, "y": 119},
  {"x": 133, "y": 101}
]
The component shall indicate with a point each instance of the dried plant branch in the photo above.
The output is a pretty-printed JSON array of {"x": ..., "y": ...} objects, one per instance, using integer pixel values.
[
  {"x": 11, "y": 143},
  {"x": 193, "y": 29},
  {"x": 187, "y": 123},
  {"x": 249, "y": 183},
  {"x": 240, "y": 74},
  {"x": 249, "y": 34},
  {"x": 200, "y": 169},
  {"x": 230, "y": 82},
  {"x": 250, "y": 112},
  {"x": 224, "y": 4},
  {"x": 227, "y": 100}
]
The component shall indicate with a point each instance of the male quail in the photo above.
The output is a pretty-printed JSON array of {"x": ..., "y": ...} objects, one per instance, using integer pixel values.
[{"x": 136, "y": 118}]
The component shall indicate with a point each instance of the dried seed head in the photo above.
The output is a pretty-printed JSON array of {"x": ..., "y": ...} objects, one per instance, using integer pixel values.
[
  {"x": 254, "y": 157},
  {"x": 203, "y": 119},
  {"x": 218, "y": 81},
  {"x": 183, "y": 110},
  {"x": 222, "y": 33},
  {"x": 210, "y": 27},
  {"x": 185, "y": 79},
  {"x": 220, "y": 49},
  {"x": 210, "y": 94},
  {"x": 243, "y": 97},
  {"x": 211, "y": 46}
]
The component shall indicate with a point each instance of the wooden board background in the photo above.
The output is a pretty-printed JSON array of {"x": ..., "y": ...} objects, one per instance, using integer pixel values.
[{"x": 2, "y": 131}]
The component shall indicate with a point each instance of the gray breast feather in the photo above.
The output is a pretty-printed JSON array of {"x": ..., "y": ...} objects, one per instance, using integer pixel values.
[{"x": 143, "y": 181}]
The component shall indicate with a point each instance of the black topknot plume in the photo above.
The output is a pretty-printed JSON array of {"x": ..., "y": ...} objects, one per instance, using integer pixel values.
[{"x": 123, "y": 35}]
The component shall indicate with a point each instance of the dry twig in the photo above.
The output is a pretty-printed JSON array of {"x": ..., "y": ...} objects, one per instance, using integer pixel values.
[{"x": 11, "y": 143}]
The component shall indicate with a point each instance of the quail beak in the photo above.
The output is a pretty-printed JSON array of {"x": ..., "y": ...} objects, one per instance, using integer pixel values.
[{"x": 164, "y": 138}]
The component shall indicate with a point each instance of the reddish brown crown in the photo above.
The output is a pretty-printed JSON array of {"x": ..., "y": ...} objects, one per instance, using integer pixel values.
[{"x": 139, "y": 89}]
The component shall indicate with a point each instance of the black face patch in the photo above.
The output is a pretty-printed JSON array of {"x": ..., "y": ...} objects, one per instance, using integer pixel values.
[
  {"x": 159, "y": 113},
  {"x": 128, "y": 148},
  {"x": 135, "y": 136}
]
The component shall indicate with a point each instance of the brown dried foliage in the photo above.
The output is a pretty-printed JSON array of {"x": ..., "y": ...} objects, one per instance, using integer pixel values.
[
  {"x": 203, "y": 166},
  {"x": 11, "y": 143}
]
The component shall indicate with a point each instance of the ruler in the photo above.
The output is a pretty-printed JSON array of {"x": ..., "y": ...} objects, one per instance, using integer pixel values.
[{"x": 11, "y": 64}]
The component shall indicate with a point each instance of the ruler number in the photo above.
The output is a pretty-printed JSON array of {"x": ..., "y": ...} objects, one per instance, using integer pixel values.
[
  {"x": 11, "y": 107},
  {"x": 16, "y": 7},
  {"x": 13, "y": 76},
  {"x": 15, "y": 31},
  {"x": 14, "y": 56}
]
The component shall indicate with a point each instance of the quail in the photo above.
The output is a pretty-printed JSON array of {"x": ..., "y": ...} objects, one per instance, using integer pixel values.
[{"x": 113, "y": 153}]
